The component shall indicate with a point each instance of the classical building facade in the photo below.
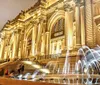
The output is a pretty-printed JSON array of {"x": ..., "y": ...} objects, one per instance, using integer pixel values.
[{"x": 51, "y": 27}]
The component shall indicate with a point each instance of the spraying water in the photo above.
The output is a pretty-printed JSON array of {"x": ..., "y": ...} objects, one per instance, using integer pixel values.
[{"x": 66, "y": 64}]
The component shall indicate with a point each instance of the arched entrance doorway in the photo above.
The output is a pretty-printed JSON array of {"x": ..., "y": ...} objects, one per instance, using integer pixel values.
[
  {"x": 28, "y": 42},
  {"x": 57, "y": 36}
]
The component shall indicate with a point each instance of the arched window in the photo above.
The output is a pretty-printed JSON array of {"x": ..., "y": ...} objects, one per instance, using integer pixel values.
[{"x": 58, "y": 28}]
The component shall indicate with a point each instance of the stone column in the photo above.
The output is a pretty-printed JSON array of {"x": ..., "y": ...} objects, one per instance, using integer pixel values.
[
  {"x": 89, "y": 23},
  {"x": 68, "y": 26},
  {"x": 44, "y": 39},
  {"x": 5, "y": 55},
  {"x": 15, "y": 44},
  {"x": 82, "y": 26},
  {"x": 41, "y": 31},
  {"x": 39, "y": 38},
  {"x": 23, "y": 43},
  {"x": 51, "y": 48},
  {"x": 19, "y": 53},
  {"x": 43, "y": 44},
  {"x": 18, "y": 42},
  {"x": 9, "y": 51},
  {"x": 34, "y": 40},
  {"x": 10, "y": 47},
  {"x": 2, "y": 48},
  {"x": 25, "y": 48},
  {"x": 78, "y": 24},
  {"x": 47, "y": 42},
  {"x": 10, "y": 55}
]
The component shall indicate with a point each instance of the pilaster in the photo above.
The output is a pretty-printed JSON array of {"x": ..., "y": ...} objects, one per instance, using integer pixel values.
[
  {"x": 89, "y": 23},
  {"x": 78, "y": 23},
  {"x": 82, "y": 26},
  {"x": 2, "y": 48}
]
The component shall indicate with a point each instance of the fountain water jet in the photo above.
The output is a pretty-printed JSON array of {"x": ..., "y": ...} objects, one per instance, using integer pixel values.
[
  {"x": 88, "y": 63},
  {"x": 66, "y": 64}
]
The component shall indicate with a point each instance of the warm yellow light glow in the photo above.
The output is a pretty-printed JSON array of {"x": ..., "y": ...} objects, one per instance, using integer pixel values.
[
  {"x": 45, "y": 70},
  {"x": 36, "y": 66},
  {"x": 27, "y": 62}
]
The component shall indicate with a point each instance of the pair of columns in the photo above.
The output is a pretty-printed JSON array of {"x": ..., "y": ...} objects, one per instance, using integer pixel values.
[
  {"x": 13, "y": 53},
  {"x": 38, "y": 47},
  {"x": 2, "y": 46},
  {"x": 15, "y": 45},
  {"x": 38, "y": 39},
  {"x": 80, "y": 26}
]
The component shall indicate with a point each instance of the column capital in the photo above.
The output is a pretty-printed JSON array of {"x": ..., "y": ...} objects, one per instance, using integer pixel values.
[
  {"x": 78, "y": 2},
  {"x": 15, "y": 32},
  {"x": 67, "y": 6},
  {"x": 34, "y": 23},
  {"x": 42, "y": 20},
  {"x": 3, "y": 35}
]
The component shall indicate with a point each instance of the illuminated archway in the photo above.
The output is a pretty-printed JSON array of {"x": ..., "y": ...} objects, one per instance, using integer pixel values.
[
  {"x": 56, "y": 34},
  {"x": 57, "y": 15},
  {"x": 28, "y": 36}
]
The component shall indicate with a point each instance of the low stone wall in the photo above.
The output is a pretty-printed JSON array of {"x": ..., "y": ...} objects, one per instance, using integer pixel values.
[{"x": 7, "y": 81}]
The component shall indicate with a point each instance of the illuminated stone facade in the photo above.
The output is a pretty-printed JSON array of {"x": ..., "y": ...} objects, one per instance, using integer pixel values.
[{"x": 51, "y": 27}]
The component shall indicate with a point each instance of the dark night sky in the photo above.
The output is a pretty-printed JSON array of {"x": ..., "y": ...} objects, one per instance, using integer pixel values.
[{"x": 9, "y": 9}]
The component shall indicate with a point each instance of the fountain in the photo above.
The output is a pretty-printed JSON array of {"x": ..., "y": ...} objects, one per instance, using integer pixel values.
[{"x": 86, "y": 70}]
